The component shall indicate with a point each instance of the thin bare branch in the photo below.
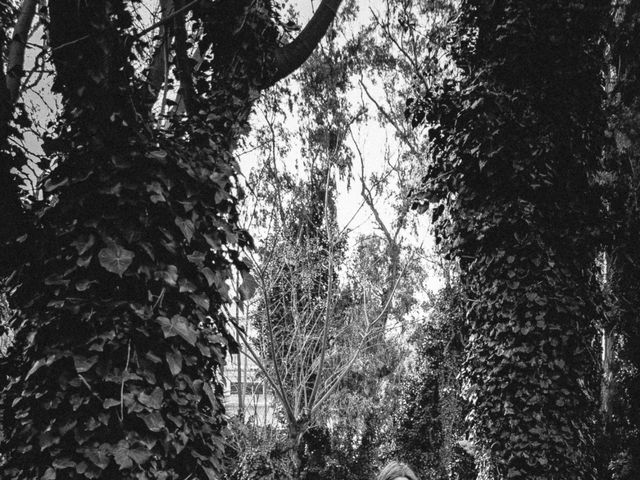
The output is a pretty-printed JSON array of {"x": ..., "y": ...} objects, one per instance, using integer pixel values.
[
  {"x": 165, "y": 19},
  {"x": 329, "y": 302}
]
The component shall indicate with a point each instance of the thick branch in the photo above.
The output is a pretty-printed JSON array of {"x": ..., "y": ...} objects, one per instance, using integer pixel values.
[
  {"x": 17, "y": 48},
  {"x": 157, "y": 67},
  {"x": 182, "y": 60},
  {"x": 290, "y": 57},
  {"x": 11, "y": 213}
]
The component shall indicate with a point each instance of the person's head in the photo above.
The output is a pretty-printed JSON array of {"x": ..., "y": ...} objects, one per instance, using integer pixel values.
[{"x": 396, "y": 471}]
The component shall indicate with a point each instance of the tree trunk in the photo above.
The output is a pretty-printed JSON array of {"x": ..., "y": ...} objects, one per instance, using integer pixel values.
[
  {"x": 18, "y": 46},
  {"x": 516, "y": 152},
  {"x": 295, "y": 439},
  {"x": 623, "y": 158},
  {"x": 120, "y": 329}
]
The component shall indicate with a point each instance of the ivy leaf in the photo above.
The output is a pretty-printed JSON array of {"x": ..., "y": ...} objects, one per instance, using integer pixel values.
[
  {"x": 201, "y": 300},
  {"x": 50, "y": 186},
  {"x": 178, "y": 325},
  {"x": 211, "y": 395},
  {"x": 211, "y": 474},
  {"x": 213, "y": 243},
  {"x": 209, "y": 275},
  {"x": 196, "y": 257},
  {"x": 125, "y": 456},
  {"x": 110, "y": 402},
  {"x": 49, "y": 474},
  {"x": 221, "y": 285},
  {"x": 231, "y": 237},
  {"x": 158, "y": 154},
  {"x": 64, "y": 429},
  {"x": 84, "y": 284},
  {"x": 99, "y": 456},
  {"x": 115, "y": 259},
  {"x": 152, "y": 401},
  {"x": 62, "y": 463},
  {"x": 121, "y": 455},
  {"x": 158, "y": 192},
  {"x": 82, "y": 467},
  {"x": 47, "y": 439},
  {"x": 154, "y": 421},
  {"x": 186, "y": 227},
  {"x": 174, "y": 359},
  {"x": 83, "y": 364},
  {"x": 170, "y": 275},
  {"x": 139, "y": 455},
  {"x": 249, "y": 286},
  {"x": 35, "y": 368},
  {"x": 84, "y": 261}
]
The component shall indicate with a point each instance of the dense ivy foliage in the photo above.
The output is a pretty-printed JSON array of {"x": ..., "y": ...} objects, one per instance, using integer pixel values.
[
  {"x": 119, "y": 332},
  {"x": 517, "y": 143},
  {"x": 12, "y": 119},
  {"x": 623, "y": 160}
]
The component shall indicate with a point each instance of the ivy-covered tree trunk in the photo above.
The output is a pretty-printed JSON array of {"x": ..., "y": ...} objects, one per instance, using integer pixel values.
[
  {"x": 516, "y": 148},
  {"x": 624, "y": 169},
  {"x": 119, "y": 332},
  {"x": 121, "y": 271}
]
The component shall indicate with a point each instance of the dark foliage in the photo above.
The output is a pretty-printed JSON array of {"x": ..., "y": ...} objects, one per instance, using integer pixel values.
[
  {"x": 622, "y": 439},
  {"x": 119, "y": 332},
  {"x": 517, "y": 144}
]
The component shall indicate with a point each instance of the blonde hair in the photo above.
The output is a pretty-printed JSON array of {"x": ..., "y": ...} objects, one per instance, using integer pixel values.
[{"x": 395, "y": 470}]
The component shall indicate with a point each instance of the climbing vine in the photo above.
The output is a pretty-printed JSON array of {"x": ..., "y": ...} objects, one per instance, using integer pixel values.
[{"x": 517, "y": 143}]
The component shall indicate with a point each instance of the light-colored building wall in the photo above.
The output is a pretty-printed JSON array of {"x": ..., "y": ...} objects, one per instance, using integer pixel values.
[{"x": 255, "y": 391}]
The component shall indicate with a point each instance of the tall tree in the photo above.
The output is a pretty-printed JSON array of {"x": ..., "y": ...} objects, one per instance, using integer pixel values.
[
  {"x": 119, "y": 286},
  {"x": 621, "y": 389},
  {"x": 517, "y": 145}
]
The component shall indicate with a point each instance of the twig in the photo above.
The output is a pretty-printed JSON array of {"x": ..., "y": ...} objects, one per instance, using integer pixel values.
[
  {"x": 160, "y": 298},
  {"x": 166, "y": 19},
  {"x": 124, "y": 375},
  {"x": 84, "y": 380},
  {"x": 72, "y": 42}
]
